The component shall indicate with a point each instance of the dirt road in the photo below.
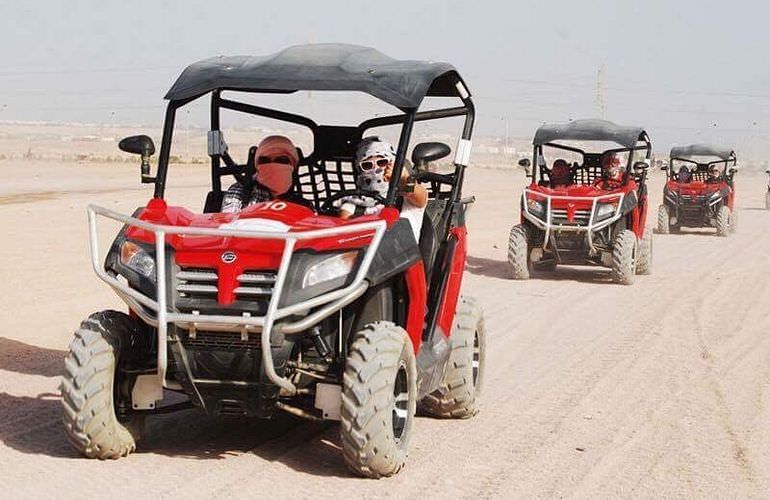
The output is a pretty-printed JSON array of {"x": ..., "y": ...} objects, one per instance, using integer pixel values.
[{"x": 593, "y": 390}]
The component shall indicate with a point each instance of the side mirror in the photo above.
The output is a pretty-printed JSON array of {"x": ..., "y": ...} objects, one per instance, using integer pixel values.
[
  {"x": 140, "y": 145},
  {"x": 732, "y": 170},
  {"x": 767, "y": 171},
  {"x": 524, "y": 162},
  {"x": 426, "y": 152},
  {"x": 640, "y": 166}
]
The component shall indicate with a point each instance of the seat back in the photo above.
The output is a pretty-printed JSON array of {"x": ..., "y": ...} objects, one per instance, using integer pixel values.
[
  {"x": 213, "y": 202},
  {"x": 430, "y": 234},
  {"x": 317, "y": 180}
]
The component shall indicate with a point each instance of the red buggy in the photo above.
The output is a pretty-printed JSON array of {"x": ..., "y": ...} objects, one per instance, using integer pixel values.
[
  {"x": 575, "y": 211},
  {"x": 281, "y": 307},
  {"x": 700, "y": 191}
]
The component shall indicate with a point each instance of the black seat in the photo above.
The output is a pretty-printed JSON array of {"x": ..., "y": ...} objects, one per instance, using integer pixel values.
[
  {"x": 429, "y": 234},
  {"x": 428, "y": 245},
  {"x": 213, "y": 202}
]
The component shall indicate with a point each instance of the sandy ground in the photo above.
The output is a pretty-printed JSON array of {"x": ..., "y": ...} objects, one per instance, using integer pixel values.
[{"x": 592, "y": 390}]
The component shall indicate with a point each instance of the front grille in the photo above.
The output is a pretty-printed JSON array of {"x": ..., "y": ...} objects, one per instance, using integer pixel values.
[
  {"x": 197, "y": 283},
  {"x": 570, "y": 240},
  {"x": 255, "y": 285},
  {"x": 582, "y": 217},
  {"x": 221, "y": 341},
  {"x": 197, "y": 289}
]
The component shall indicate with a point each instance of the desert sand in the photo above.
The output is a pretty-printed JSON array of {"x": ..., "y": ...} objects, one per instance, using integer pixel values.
[{"x": 592, "y": 390}]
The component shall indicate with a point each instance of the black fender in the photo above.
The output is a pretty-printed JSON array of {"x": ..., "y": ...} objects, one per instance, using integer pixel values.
[{"x": 398, "y": 251}]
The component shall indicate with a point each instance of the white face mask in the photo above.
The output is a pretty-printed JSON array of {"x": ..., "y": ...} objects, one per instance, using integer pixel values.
[{"x": 373, "y": 180}]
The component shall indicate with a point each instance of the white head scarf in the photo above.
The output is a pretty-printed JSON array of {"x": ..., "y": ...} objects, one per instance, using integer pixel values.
[{"x": 373, "y": 179}]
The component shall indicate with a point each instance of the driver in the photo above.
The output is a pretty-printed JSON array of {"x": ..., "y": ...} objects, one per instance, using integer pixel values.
[
  {"x": 612, "y": 172},
  {"x": 275, "y": 161},
  {"x": 683, "y": 175},
  {"x": 373, "y": 164},
  {"x": 561, "y": 174}
]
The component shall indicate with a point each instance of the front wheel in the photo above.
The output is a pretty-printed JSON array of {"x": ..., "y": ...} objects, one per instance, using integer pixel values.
[
  {"x": 518, "y": 253},
  {"x": 644, "y": 257},
  {"x": 723, "y": 221},
  {"x": 90, "y": 388},
  {"x": 379, "y": 399},
  {"x": 624, "y": 257},
  {"x": 457, "y": 396}
]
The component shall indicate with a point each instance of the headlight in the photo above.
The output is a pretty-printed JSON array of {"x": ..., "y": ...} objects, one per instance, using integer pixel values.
[
  {"x": 334, "y": 267},
  {"x": 606, "y": 210},
  {"x": 312, "y": 274},
  {"x": 536, "y": 208},
  {"x": 136, "y": 258}
]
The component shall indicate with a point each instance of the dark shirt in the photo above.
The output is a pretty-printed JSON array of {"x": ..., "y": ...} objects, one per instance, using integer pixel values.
[{"x": 236, "y": 198}]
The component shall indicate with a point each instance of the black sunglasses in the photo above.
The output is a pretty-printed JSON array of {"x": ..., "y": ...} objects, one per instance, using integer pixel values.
[
  {"x": 283, "y": 160},
  {"x": 369, "y": 164}
]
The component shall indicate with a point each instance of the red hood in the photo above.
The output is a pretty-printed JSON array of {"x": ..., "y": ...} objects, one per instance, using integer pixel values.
[
  {"x": 282, "y": 216},
  {"x": 578, "y": 191},
  {"x": 249, "y": 254},
  {"x": 694, "y": 188}
]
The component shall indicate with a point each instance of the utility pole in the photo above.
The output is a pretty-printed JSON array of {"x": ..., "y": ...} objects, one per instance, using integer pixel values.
[{"x": 600, "y": 91}]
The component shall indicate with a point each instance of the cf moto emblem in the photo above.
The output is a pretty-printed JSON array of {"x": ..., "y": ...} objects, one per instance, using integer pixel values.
[{"x": 228, "y": 257}]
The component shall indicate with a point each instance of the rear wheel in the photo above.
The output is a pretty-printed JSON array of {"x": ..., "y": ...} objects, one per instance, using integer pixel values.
[
  {"x": 664, "y": 220},
  {"x": 457, "y": 397},
  {"x": 624, "y": 257},
  {"x": 379, "y": 398},
  {"x": 518, "y": 253},
  {"x": 90, "y": 388},
  {"x": 644, "y": 254},
  {"x": 723, "y": 221}
]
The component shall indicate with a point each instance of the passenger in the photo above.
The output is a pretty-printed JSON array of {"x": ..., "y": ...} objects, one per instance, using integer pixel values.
[
  {"x": 612, "y": 172},
  {"x": 683, "y": 175},
  {"x": 275, "y": 161},
  {"x": 561, "y": 174},
  {"x": 373, "y": 167},
  {"x": 713, "y": 174}
]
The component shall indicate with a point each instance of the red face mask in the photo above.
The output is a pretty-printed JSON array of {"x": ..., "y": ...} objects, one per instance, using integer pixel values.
[{"x": 277, "y": 177}]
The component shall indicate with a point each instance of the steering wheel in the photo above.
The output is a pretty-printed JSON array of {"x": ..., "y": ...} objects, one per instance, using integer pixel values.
[{"x": 327, "y": 207}]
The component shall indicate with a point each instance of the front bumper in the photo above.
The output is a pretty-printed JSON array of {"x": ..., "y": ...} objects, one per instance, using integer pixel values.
[
  {"x": 693, "y": 210},
  {"x": 584, "y": 221},
  {"x": 156, "y": 311}
]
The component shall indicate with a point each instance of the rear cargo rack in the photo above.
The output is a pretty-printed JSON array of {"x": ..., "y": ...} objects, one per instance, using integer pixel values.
[{"x": 249, "y": 282}]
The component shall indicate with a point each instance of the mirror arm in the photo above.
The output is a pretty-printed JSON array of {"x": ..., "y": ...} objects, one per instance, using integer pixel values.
[{"x": 146, "y": 177}]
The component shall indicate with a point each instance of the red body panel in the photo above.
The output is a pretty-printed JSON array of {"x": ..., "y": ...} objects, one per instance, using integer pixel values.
[
  {"x": 448, "y": 306},
  {"x": 700, "y": 188},
  {"x": 252, "y": 254},
  {"x": 418, "y": 297},
  {"x": 582, "y": 201}
]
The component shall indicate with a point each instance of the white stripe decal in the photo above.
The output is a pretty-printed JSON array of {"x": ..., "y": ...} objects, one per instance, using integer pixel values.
[{"x": 463, "y": 154}]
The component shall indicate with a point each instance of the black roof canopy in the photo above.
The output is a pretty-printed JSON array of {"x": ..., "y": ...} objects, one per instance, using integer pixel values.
[
  {"x": 686, "y": 152},
  {"x": 589, "y": 130},
  {"x": 401, "y": 83}
]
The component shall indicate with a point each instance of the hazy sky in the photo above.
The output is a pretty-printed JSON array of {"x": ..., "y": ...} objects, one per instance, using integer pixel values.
[{"x": 687, "y": 70}]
